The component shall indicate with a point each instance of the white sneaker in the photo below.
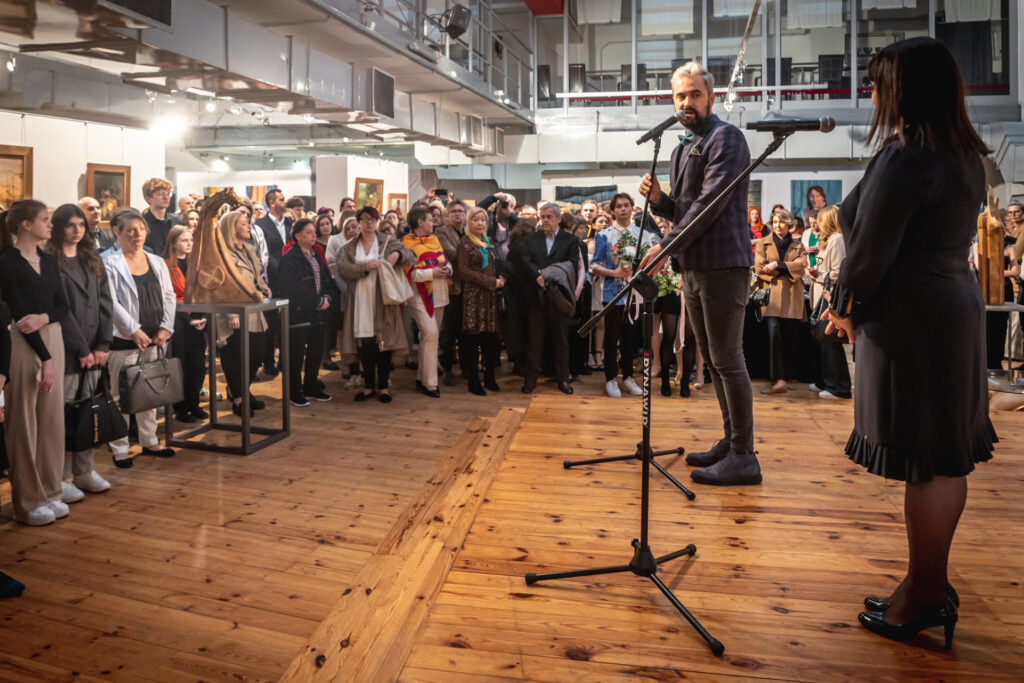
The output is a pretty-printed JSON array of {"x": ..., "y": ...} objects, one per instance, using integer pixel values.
[
  {"x": 353, "y": 382},
  {"x": 813, "y": 387},
  {"x": 612, "y": 389},
  {"x": 632, "y": 387},
  {"x": 70, "y": 493},
  {"x": 826, "y": 394},
  {"x": 58, "y": 508},
  {"x": 41, "y": 516},
  {"x": 91, "y": 482}
]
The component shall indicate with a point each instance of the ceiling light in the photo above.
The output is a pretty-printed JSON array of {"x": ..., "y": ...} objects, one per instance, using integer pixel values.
[
  {"x": 235, "y": 109},
  {"x": 169, "y": 127},
  {"x": 12, "y": 63},
  {"x": 225, "y": 157},
  {"x": 211, "y": 107},
  {"x": 151, "y": 96},
  {"x": 308, "y": 118},
  {"x": 453, "y": 74}
]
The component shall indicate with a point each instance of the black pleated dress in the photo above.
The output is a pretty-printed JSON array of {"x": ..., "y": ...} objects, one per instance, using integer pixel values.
[{"x": 920, "y": 394}]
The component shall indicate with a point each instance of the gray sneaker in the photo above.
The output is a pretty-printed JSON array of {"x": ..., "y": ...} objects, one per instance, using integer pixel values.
[
  {"x": 709, "y": 458},
  {"x": 735, "y": 469}
]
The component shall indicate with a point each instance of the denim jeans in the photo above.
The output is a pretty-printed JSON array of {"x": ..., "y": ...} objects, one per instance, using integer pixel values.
[{"x": 716, "y": 302}]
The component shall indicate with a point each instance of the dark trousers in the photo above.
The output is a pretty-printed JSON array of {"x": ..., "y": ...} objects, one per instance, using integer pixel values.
[
  {"x": 231, "y": 360},
  {"x": 306, "y": 348},
  {"x": 716, "y": 302},
  {"x": 579, "y": 346},
  {"x": 272, "y": 340},
  {"x": 543, "y": 318},
  {"x": 619, "y": 342},
  {"x": 781, "y": 346},
  {"x": 332, "y": 323},
  {"x": 996, "y": 323},
  {"x": 835, "y": 373},
  {"x": 376, "y": 364},
  {"x": 515, "y": 324},
  {"x": 451, "y": 329},
  {"x": 189, "y": 344},
  {"x": 471, "y": 347}
]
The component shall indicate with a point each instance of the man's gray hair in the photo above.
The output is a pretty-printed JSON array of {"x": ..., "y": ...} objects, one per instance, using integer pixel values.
[
  {"x": 696, "y": 69},
  {"x": 551, "y": 206}
]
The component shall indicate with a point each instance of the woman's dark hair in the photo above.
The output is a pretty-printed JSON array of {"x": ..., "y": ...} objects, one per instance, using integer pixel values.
[
  {"x": 523, "y": 228},
  {"x": 621, "y": 195},
  {"x": 330, "y": 221},
  {"x": 300, "y": 225},
  {"x": 19, "y": 212},
  {"x": 567, "y": 222},
  {"x": 416, "y": 215},
  {"x": 86, "y": 247},
  {"x": 368, "y": 210},
  {"x": 920, "y": 98},
  {"x": 820, "y": 190}
]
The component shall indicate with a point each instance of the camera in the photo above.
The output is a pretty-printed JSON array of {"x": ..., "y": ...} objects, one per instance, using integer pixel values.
[{"x": 503, "y": 204}]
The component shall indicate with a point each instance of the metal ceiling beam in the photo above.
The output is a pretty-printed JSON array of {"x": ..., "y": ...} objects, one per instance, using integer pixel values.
[
  {"x": 170, "y": 73},
  {"x": 262, "y": 95},
  {"x": 80, "y": 45}
]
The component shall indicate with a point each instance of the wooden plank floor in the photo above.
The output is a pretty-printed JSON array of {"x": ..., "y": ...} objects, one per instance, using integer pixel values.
[
  {"x": 225, "y": 568},
  {"x": 778, "y": 577}
]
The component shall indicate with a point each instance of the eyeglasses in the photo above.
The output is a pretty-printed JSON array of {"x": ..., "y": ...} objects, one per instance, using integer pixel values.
[{"x": 162, "y": 193}]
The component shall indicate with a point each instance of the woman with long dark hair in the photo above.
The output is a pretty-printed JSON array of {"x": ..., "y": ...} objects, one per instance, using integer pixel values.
[
  {"x": 34, "y": 392},
  {"x": 905, "y": 291},
  {"x": 87, "y": 331}
]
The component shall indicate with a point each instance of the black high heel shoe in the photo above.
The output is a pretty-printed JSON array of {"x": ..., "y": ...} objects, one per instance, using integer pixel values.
[
  {"x": 943, "y": 614},
  {"x": 876, "y": 604}
]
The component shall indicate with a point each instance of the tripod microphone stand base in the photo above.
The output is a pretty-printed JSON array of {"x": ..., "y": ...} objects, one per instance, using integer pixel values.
[
  {"x": 644, "y": 564},
  {"x": 638, "y": 455}
]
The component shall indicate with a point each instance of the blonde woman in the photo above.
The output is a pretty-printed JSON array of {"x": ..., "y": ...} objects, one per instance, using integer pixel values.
[
  {"x": 779, "y": 262},
  {"x": 835, "y": 373},
  {"x": 477, "y": 270}
]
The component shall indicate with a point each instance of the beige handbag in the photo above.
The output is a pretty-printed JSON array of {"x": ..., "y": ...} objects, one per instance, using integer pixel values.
[{"x": 394, "y": 286}]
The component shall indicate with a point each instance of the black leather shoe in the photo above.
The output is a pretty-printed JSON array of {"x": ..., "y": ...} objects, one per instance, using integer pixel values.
[
  {"x": 200, "y": 414},
  {"x": 875, "y": 604},
  {"x": 709, "y": 458},
  {"x": 528, "y": 386},
  {"x": 432, "y": 393},
  {"x": 419, "y": 385},
  {"x": 124, "y": 464},
  {"x": 490, "y": 384},
  {"x": 186, "y": 417},
  {"x": 386, "y": 397},
  {"x": 449, "y": 378},
  {"x": 666, "y": 385},
  {"x": 735, "y": 469},
  {"x": 237, "y": 410},
  {"x": 411, "y": 365},
  {"x": 361, "y": 396},
  {"x": 330, "y": 365},
  {"x": 944, "y": 614},
  {"x": 158, "y": 452},
  {"x": 565, "y": 387},
  {"x": 475, "y": 388},
  {"x": 684, "y": 389}
]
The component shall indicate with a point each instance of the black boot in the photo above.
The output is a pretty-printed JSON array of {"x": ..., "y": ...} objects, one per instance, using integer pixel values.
[
  {"x": 735, "y": 469},
  {"x": 684, "y": 388},
  {"x": 666, "y": 384},
  {"x": 709, "y": 458},
  {"x": 490, "y": 383},
  {"x": 474, "y": 384}
]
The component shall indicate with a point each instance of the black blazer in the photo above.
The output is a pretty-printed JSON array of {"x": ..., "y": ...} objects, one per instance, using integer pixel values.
[
  {"x": 297, "y": 284},
  {"x": 274, "y": 246},
  {"x": 535, "y": 254},
  {"x": 88, "y": 325}
]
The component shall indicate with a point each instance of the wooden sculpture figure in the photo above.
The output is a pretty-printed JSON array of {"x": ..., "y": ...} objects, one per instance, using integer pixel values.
[
  {"x": 989, "y": 258},
  {"x": 212, "y": 275}
]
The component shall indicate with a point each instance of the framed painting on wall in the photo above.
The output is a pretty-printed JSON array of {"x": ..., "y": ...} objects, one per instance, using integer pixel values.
[
  {"x": 399, "y": 203},
  {"x": 15, "y": 174},
  {"x": 369, "y": 192},
  {"x": 110, "y": 185}
]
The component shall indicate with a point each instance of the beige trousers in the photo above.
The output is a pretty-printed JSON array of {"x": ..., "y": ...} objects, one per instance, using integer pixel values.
[
  {"x": 145, "y": 420},
  {"x": 78, "y": 462},
  {"x": 34, "y": 423},
  {"x": 427, "y": 324}
]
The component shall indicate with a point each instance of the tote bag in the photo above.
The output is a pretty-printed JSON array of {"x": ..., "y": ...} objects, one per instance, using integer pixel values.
[
  {"x": 149, "y": 385},
  {"x": 92, "y": 420},
  {"x": 394, "y": 287}
]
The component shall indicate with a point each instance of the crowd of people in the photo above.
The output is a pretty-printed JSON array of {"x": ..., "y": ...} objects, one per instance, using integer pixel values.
[{"x": 447, "y": 288}]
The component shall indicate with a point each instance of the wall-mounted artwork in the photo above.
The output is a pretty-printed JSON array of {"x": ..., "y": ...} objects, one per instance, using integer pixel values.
[
  {"x": 15, "y": 174},
  {"x": 258, "y": 193},
  {"x": 399, "y": 203},
  {"x": 369, "y": 192},
  {"x": 816, "y": 194},
  {"x": 110, "y": 185}
]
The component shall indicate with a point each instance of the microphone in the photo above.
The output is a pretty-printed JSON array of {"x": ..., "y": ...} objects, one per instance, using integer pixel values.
[
  {"x": 677, "y": 117},
  {"x": 825, "y": 124}
]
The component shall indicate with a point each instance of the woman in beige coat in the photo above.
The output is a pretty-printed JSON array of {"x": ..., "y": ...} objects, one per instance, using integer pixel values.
[
  {"x": 779, "y": 261},
  {"x": 372, "y": 330}
]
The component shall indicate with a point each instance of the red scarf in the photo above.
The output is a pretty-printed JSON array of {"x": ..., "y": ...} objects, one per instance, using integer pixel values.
[{"x": 429, "y": 255}]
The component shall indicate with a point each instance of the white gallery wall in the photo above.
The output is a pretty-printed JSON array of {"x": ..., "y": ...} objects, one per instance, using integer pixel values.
[
  {"x": 334, "y": 177},
  {"x": 61, "y": 148},
  {"x": 292, "y": 183}
]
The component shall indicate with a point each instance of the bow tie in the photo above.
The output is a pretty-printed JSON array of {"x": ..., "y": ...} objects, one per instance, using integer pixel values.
[{"x": 686, "y": 137}]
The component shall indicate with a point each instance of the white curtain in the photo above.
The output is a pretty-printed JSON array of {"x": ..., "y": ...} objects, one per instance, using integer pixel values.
[
  {"x": 733, "y": 8},
  {"x": 813, "y": 14},
  {"x": 971, "y": 10},
  {"x": 599, "y": 11},
  {"x": 888, "y": 4},
  {"x": 665, "y": 17}
]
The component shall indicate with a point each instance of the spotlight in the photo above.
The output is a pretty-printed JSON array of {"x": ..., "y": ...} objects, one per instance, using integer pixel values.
[
  {"x": 271, "y": 159},
  {"x": 211, "y": 107},
  {"x": 235, "y": 109},
  {"x": 225, "y": 157},
  {"x": 150, "y": 96},
  {"x": 308, "y": 118},
  {"x": 457, "y": 20},
  {"x": 12, "y": 63}
]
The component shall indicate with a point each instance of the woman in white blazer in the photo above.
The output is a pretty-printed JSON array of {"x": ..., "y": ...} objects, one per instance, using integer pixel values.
[{"x": 143, "y": 316}]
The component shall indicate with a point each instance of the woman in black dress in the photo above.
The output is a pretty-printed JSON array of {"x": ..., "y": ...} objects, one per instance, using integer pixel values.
[{"x": 905, "y": 291}]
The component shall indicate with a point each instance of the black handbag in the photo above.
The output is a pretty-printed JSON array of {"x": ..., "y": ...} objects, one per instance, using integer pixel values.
[
  {"x": 92, "y": 420},
  {"x": 500, "y": 302},
  {"x": 818, "y": 325},
  {"x": 149, "y": 385},
  {"x": 759, "y": 298}
]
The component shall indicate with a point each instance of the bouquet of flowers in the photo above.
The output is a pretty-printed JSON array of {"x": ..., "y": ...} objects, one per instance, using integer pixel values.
[
  {"x": 624, "y": 250},
  {"x": 669, "y": 281}
]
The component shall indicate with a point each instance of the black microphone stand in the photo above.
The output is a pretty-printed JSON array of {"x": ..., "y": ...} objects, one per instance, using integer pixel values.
[
  {"x": 644, "y": 563},
  {"x": 638, "y": 453}
]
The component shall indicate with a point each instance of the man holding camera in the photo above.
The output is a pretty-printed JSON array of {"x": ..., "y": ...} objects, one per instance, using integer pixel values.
[{"x": 503, "y": 219}]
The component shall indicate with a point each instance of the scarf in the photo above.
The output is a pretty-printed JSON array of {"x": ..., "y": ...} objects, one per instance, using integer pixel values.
[
  {"x": 482, "y": 244},
  {"x": 429, "y": 255},
  {"x": 782, "y": 245}
]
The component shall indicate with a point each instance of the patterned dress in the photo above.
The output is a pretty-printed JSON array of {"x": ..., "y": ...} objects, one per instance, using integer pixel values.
[{"x": 479, "y": 315}]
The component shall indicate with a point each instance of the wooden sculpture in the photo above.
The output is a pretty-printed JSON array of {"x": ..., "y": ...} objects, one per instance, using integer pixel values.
[
  {"x": 212, "y": 276},
  {"x": 990, "y": 252}
]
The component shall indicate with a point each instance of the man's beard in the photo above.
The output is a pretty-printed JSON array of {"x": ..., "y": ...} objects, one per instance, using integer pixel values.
[{"x": 697, "y": 120}]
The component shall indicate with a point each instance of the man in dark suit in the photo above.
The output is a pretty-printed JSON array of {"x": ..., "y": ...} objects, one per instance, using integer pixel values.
[
  {"x": 276, "y": 227},
  {"x": 714, "y": 259},
  {"x": 544, "y": 248}
]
